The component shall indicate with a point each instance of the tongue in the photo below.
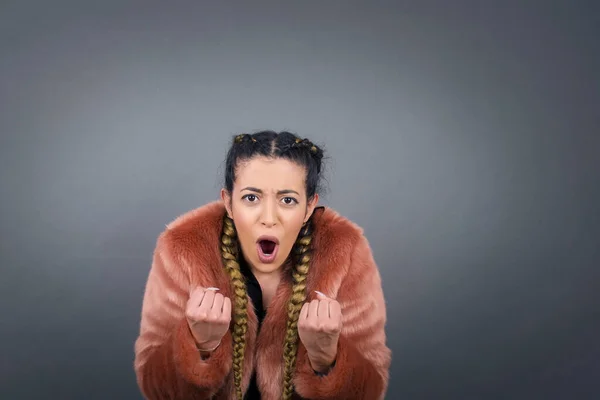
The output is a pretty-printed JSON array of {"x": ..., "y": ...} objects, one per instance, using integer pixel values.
[{"x": 267, "y": 246}]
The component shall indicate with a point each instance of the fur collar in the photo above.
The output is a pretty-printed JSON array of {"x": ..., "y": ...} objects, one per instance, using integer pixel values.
[{"x": 193, "y": 240}]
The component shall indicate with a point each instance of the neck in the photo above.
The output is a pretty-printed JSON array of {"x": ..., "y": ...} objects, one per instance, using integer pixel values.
[
  {"x": 262, "y": 274},
  {"x": 266, "y": 276}
]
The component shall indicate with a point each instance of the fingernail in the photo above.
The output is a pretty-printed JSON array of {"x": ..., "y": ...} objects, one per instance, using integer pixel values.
[
  {"x": 316, "y": 291},
  {"x": 212, "y": 288}
]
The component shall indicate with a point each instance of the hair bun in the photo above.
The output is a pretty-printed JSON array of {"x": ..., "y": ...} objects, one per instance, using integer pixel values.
[
  {"x": 305, "y": 143},
  {"x": 244, "y": 137}
]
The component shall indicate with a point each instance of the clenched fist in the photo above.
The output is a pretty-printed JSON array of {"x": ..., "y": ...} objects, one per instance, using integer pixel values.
[
  {"x": 208, "y": 314},
  {"x": 319, "y": 327}
]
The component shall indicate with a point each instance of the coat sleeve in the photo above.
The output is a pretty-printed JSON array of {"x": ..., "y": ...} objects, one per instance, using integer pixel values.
[
  {"x": 361, "y": 369},
  {"x": 167, "y": 363}
]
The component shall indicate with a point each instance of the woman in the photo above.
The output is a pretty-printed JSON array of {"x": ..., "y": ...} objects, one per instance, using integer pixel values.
[{"x": 263, "y": 294}]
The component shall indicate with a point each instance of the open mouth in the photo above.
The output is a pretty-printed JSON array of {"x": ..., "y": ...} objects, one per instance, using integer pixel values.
[{"x": 267, "y": 248}]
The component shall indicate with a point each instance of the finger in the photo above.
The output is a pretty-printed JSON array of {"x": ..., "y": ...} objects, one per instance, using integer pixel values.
[
  {"x": 304, "y": 312},
  {"x": 335, "y": 311},
  {"x": 195, "y": 290},
  {"x": 313, "y": 309},
  {"x": 213, "y": 290},
  {"x": 217, "y": 307},
  {"x": 207, "y": 303},
  {"x": 226, "y": 309},
  {"x": 323, "y": 309},
  {"x": 196, "y": 297},
  {"x": 197, "y": 294}
]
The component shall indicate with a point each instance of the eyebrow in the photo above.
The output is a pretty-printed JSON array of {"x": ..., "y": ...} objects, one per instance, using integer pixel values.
[{"x": 257, "y": 190}]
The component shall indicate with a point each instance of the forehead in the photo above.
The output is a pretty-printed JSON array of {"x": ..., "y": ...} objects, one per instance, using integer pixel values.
[{"x": 270, "y": 173}]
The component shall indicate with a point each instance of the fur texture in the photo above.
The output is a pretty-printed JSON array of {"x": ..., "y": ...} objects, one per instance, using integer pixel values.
[{"x": 187, "y": 255}]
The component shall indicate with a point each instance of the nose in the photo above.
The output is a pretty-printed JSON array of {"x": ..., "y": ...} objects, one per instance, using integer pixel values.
[{"x": 268, "y": 216}]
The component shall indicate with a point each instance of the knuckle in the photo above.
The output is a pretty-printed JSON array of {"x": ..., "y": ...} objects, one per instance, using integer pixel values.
[
  {"x": 202, "y": 316},
  {"x": 212, "y": 318}
]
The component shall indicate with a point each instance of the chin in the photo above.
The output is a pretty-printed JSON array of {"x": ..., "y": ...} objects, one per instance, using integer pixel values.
[{"x": 266, "y": 268}]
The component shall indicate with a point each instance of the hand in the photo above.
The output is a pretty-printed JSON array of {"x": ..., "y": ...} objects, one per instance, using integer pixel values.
[
  {"x": 208, "y": 314},
  {"x": 319, "y": 327}
]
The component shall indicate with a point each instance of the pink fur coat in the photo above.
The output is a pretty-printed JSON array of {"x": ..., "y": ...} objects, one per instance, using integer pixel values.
[{"x": 187, "y": 254}]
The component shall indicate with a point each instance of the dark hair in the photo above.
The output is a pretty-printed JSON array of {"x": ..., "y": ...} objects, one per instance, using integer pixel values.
[
  {"x": 276, "y": 145},
  {"x": 303, "y": 152}
]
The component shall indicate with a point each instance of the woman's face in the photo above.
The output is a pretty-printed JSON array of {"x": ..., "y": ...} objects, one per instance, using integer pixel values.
[{"x": 268, "y": 205}]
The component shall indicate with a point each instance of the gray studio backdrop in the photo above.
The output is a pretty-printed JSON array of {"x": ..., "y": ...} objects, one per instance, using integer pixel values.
[{"x": 463, "y": 138}]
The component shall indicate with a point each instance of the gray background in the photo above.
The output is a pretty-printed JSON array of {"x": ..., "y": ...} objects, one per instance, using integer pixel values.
[{"x": 463, "y": 137}]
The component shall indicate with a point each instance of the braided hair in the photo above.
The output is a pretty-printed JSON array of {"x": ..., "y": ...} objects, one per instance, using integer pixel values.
[
  {"x": 300, "y": 272},
  {"x": 229, "y": 252},
  {"x": 303, "y": 152}
]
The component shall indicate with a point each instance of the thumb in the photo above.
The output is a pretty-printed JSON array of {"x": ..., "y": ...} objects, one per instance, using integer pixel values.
[
  {"x": 201, "y": 289},
  {"x": 321, "y": 296}
]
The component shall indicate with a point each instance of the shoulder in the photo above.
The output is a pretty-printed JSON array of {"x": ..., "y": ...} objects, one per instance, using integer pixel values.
[
  {"x": 333, "y": 231},
  {"x": 343, "y": 264},
  {"x": 208, "y": 216},
  {"x": 340, "y": 244},
  {"x": 192, "y": 235}
]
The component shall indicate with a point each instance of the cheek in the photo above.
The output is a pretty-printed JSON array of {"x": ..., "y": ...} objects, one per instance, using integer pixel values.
[
  {"x": 243, "y": 225},
  {"x": 295, "y": 221},
  {"x": 292, "y": 229}
]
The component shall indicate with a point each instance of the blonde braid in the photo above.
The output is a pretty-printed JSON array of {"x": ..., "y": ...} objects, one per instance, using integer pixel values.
[
  {"x": 229, "y": 252},
  {"x": 297, "y": 298}
]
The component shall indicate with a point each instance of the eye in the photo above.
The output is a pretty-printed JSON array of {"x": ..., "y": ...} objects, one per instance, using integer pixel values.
[
  {"x": 290, "y": 200},
  {"x": 250, "y": 197}
]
